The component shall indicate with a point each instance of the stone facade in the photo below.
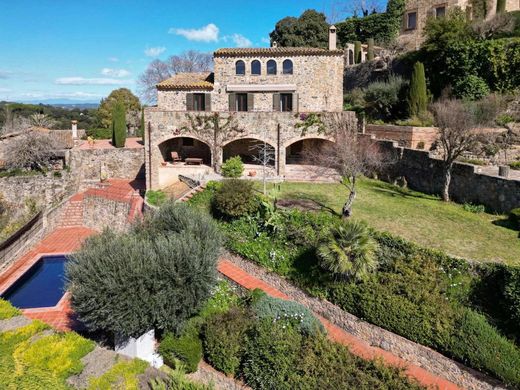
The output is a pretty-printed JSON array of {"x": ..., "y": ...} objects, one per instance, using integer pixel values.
[
  {"x": 411, "y": 36},
  {"x": 407, "y": 136},
  {"x": 278, "y": 129}
]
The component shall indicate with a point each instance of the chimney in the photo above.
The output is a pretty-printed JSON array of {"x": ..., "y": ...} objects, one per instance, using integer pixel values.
[
  {"x": 332, "y": 37},
  {"x": 74, "y": 129},
  {"x": 275, "y": 44}
]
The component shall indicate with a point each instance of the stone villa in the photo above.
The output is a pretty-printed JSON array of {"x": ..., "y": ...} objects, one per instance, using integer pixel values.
[
  {"x": 254, "y": 95},
  {"x": 418, "y": 11}
]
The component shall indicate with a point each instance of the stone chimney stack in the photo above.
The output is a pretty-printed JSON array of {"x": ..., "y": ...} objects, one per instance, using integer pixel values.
[
  {"x": 74, "y": 129},
  {"x": 332, "y": 37}
]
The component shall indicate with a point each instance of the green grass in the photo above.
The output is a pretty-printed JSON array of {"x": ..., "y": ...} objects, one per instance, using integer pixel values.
[{"x": 420, "y": 218}]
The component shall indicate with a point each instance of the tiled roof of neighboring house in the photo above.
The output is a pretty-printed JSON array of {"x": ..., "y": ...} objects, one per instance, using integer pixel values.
[
  {"x": 183, "y": 81},
  {"x": 276, "y": 51}
]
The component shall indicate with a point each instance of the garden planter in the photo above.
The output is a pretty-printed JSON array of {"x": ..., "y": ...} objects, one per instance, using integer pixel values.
[
  {"x": 142, "y": 347},
  {"x": 252, "y": 173}
]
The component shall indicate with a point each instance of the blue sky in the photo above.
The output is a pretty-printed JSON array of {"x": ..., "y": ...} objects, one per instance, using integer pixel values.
[{"x": 81, "y": 50}]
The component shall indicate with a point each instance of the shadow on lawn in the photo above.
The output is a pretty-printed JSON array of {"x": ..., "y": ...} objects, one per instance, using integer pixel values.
[
  {"x": 318, "y": 200},
  {"x": 505, "y": 223},
  {"x": 392, "y": 190}
]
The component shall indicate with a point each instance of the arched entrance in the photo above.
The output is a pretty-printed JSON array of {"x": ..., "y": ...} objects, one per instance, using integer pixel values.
[
  {"x": 306, "y": 151},
  {"x": 251, "y": 151}
]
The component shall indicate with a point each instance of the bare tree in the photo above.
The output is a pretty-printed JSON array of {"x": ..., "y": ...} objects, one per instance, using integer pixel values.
[
  {"x": 501, "y": 23},
  {"x": 42, "y": 120},
  {"x": 265, "y": 156},
  {"x": 158, "y": 70},
  {"x": 455, "y": 123},
  {"x": 33, "y": 150},
  {"x": 349, "y": 157},
  {"x": 14, "y": 123}
]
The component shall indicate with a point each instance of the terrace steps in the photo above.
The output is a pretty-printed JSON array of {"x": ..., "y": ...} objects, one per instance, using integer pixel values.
[{"x": 73, "y": 213}]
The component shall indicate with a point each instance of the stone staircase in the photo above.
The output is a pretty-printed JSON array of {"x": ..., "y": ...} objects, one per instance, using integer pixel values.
[
  {"x": 73, "y": 214},
  {"x": 304, "y": 173}
]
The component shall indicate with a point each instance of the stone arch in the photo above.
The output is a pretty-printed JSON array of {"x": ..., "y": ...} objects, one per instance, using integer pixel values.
[
  {"x": 185, "y": 146},
  {"x": 301, "y": 150},
  {"x": 246, "y": 148}
]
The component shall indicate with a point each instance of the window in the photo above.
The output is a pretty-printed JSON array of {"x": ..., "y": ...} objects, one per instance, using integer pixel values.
[
  {"x": 440, "y": 12},
  {"x": 241, "y": 101},
  {"x": 199, "y": 102},
  {"x": 411, "y": 21},
  {"x": 256, "y": 67},
  {"x": 287, "y": 67},
  {"x": 286, "y": 102},
  {"x": 240, "y": 67},
  {"x": 271, "y": 67}
]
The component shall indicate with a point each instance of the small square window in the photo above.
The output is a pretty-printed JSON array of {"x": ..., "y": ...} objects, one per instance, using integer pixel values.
[
  {"x": 440, "y": 12},
  {"x": 411, "y": 21}
]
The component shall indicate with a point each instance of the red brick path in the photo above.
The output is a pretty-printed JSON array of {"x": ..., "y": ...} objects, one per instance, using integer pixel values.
[{"x": 356, "y": 345}]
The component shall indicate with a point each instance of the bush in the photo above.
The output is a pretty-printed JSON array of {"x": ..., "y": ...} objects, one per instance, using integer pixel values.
[
  {"x": 155, "y": 198},
  {"x": 287, "y": 312},
  {"x": 233, "y": 167},
  {"x": 119, "y": 124},
  {"x": 235, "y": 199},
  {"x": 515, "y": 165},
  {"x": 155, "y": 276},
  {"x": 384, "y": 99},
  {"x": 224, "y": 336},
  {"x": 187, "y": 348},
  {"x": 349, "y": 251},
  {"x": 514, "y": 217},
  {"x": 7, "y": 310},
  {"x": 474, "y": 208},
  {"x": 476, "y": 343},
  {"x": 470, "y": 87},
  {"x": 100, "y": 133},
  {"x": 418, "y": 96},
  {"x": 122, "y": 375}
]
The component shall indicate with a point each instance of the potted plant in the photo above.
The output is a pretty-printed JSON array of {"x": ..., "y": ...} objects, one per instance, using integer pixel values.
[{"x": 252, "y": 173}]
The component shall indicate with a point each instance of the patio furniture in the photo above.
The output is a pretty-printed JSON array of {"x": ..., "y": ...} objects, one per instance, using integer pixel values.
[
  {"x": 176, "y": 157},
  {"x": 193, "y": 161}
]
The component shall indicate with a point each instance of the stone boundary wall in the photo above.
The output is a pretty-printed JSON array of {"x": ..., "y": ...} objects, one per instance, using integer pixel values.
[
  {"x": 100, "y": 213},
  {"x": 424, "y": 173},
  {"x": 417, "y": 354},
  {"x": 407, "y": 136}
]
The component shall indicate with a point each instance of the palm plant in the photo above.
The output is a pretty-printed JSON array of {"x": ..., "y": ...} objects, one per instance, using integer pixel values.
[{"x": 349, "y": 251}]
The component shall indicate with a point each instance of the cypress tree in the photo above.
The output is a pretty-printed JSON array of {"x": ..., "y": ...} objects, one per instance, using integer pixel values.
[
  {"x": 141, "y": 127},
  {"x": 501, "y": 6},
  {"x": 370, "y": 51},
  {"x": 119, "y": 125},
  {"x": 357, "y": 52},
  {"x": 417, "y": 99}
]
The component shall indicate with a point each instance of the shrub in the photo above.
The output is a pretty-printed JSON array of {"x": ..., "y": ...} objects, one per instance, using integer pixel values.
[
  {"x": 7, "y": 311},
  {"x": 418, "y": 96},
  {"x": 119, "y": 124},
  {"x": 287, "y": 312},
  {"x": 123, "y": 375},
  {"x": 384, "y": 99},
  {"x": 156, "y": 276},
  {"x": 474, "y": 208},
  {"x": 98, "y": 133},
  {"x": 471, "y": 87},
  {"x": 155, "y": 198},
  {"x": 349, "y": 251},
  {"x": 233, "y": 167},
  {"x": 177, "y": 380},
  {"x": 235, "y": 199},
  {"x": 357, "y": 52},
  {"x": 370, "y": 49},
  {"x": 187, "y": 348},
  {"x": 223, "y": 337},
  {"x": 477, "y": 343},
  {"x": 515, "y": 165},
  {"x": 514, "y": 217}
]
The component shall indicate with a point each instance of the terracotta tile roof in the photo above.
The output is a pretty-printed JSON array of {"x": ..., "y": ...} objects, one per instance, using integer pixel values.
[
  {"x": 276, "y": 51},
  {"x": 183, "y": 81}
]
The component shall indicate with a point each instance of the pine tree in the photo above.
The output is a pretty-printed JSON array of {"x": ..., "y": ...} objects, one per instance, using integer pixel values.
[
  {"x": 119, "y": 125},
  {"x": 357, "y": 52},
  {"x": 418, "y": 99},
  {"x": 370, "y": 50}
]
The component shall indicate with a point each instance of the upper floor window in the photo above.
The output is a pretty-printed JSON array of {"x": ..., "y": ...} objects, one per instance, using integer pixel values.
[
  {"x": 411, "y": 21},
  {"x": 287, "y": 67},
  {"x": 198, "y": 102},
  {"x": 240, "y": 67},
  {"x": 440, "y": 12},
  {"x": 256, "y": 67},
  {"x": 271, "y": 67}
]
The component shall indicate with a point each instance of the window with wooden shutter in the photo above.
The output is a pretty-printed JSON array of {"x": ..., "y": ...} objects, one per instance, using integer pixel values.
[
  {"x": 241, "y": 101},
  {"x": 232, "y": 102},
  {"x": 189, "y": 101},
  {"x": 250, "y": 102},
  {"x": 295, "y": 102},
  {"x": 207, "y": 101},
  {"x": 286, "y": 100},
  {"x": 276, "y": 102}
]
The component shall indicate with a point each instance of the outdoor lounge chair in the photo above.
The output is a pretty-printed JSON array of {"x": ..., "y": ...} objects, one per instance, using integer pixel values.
[{"x": 175, "y": 157}]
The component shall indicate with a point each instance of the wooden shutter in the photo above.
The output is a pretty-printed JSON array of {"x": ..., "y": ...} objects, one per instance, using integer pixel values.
[
  {"x": 276, "y": 102},
  {"x": 207, "y": 102},
  {"x": 189, "y": 101},
  {"x": 232, "y": 102},
  {"x": 250, "y": 101},
  {"x": 295, "y": 102}
]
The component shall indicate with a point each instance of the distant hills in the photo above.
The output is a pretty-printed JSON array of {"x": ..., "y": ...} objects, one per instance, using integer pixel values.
[{"x": 64, "y": 103}]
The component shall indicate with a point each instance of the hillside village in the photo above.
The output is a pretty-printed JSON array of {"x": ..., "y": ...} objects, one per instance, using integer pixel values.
[{"x": 338, "y": 209}]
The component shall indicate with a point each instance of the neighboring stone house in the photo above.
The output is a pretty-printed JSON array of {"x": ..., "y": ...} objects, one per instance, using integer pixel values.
[
  {"x": 254, "y": 95},
  {"x": 418, "y": 11}
]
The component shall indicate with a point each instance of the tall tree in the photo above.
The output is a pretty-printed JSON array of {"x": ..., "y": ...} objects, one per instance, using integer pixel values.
[
  {"x": 158, "y": 70},
  {"x": 418, "y": 97},
  {"x": 309, "y": 30},
  {"x": 118, "y": 124},
  {"x": 131, "y": 104}
]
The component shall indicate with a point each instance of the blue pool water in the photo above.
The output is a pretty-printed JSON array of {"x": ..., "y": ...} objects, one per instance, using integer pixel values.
[{"x": 42, "y": 285}]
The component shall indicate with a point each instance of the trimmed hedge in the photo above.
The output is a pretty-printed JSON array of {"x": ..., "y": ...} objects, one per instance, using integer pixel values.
[
  {"x": 234, "y": 199},
  {"x": 187, "y": 348}
]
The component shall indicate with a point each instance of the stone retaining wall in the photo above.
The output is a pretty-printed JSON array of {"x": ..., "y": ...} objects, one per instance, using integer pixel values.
[
  {"x": 100, "y": 213},
  {"x": 407, "y": 136},
  {"x": 417, "y": 354},
  {"x": 424, "y": 173}
]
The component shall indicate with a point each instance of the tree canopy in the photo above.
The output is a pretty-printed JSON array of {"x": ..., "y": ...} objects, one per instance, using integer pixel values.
[
  {"x": 309, "y": 30},
  {"x": 132, "y": 108}
]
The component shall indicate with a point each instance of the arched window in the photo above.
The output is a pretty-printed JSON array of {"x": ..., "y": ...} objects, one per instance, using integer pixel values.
[
  {"x": 271, "y": 67},
  {"x": 287, "y": 67},
  {"x": 256, "y": 67},
  {"x": 240, "y": 67}
]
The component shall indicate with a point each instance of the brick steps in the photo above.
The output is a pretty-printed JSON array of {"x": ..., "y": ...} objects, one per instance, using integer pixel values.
[{"x": 73, "y": 214}]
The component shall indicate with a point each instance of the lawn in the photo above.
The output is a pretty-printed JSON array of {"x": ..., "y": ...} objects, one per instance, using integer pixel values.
[{"x": 421, "y": 218}]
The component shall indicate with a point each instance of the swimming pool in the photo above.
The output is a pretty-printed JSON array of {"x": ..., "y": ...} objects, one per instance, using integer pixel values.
[{"x": 43, "y": 285}]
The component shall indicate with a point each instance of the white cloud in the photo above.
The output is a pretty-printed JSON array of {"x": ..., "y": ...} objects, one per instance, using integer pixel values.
[
  {"x": 115, "y": 72},
  {"x": 113, "y": 59},
  {"x": 241, "y": 41},
  {"x": 4, "y": 74},
  {"x": 266, "y": 40},
  {"x": 4, "y": 90},
  {"x": 208, "y": 33},
  {"x": 154, "y": 51},
  {"x": 91, "y": 81}
]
